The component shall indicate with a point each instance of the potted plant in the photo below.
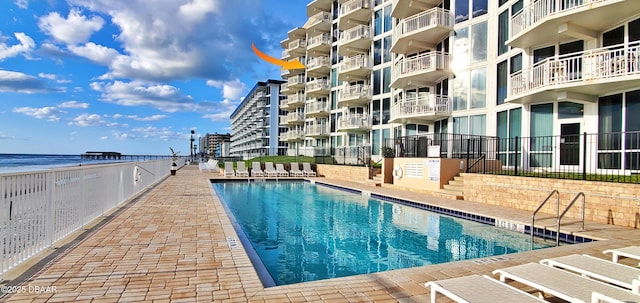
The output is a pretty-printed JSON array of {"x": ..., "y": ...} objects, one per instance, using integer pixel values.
[
  {"x": 174, "y": 166},
  {"x": 387, "y": 164}
]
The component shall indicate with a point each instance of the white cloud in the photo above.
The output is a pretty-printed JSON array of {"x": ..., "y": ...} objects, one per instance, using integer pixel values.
[
  {"x": 230, "y": 89},
  {"x": 76, "y": 28},
  {"x": 163, "y": 97},
  {"x": 53, "y": 77},
  {"x": 11, "y": 81},
  {"x": 85, "y": 120},
  {"x": 137, "y": 118},
  {"x": 73, "y": 104},
  {"x": 50, "y": 113},
  {"x": 24, "y": 4},
  {"x": 25, "y": 46},
  {"x": 96, "y": 53}
]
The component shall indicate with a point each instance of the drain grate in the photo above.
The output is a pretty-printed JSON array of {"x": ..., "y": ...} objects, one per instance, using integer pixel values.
[
  {"x": 492, "y": 260},
  {"x": 232, "y": 242}
]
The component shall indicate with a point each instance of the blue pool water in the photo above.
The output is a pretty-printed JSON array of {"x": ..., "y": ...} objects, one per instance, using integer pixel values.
[{"x": 303, "y": 232}]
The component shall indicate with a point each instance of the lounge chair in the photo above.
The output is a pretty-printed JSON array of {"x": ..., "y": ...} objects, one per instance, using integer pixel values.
[
  {"x": 281, "y": 171},
  {"x": 269, "y": 170},
  {"x": 632, "y": 252},
  {"x": 478, "y": 289},
  {"x": 256, "y": 170},
  {"x": 306, "y": 169},
  {"x": 228, "y": 169},
  {"x": 295, "y": 170},
  {"x": 599, "y": 269},
  {"x": 241, "y": 170},
  {"x": 563, "y": 284}
]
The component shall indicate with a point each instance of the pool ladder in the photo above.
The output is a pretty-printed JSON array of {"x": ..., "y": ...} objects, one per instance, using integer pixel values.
[{"x": 559, "y": 215}]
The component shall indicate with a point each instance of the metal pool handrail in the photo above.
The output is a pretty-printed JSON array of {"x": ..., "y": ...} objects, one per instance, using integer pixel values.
[
  {"x": 533, "y": 217},
  {"x": 565, "y": 212}
]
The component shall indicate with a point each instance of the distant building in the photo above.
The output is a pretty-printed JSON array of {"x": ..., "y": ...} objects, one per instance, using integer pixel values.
[
  {"x": 211, "y": 144},
  {"x": 255, "y": 124}
]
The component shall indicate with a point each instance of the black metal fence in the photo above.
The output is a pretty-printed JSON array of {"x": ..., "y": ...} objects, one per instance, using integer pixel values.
[{"x": 613, "y": 157}]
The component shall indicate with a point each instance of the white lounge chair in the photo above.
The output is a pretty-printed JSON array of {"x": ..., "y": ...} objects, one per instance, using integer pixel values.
[
  {"x": 306, "y": 169},
  {"x": 269, "y": 170},
  {"x": 478, "y": 289},
  {"x": 632, "y": 252},
  {"x": 228, "y": 169},
  {"x": 295, "y": 170},
  {"x": 256, "y": 170},
  {"x": 241, "y": 170},
  {"x": 281, "y": 171},
  {"x": 563, "y": 284},
  {"x": 599, "y": 269}
]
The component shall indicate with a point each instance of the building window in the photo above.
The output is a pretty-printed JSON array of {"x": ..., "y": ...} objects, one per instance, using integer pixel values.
[
  {"x": 478, "y": 88},
  {"x": 503, "y": 32},
  {"x": 461, "y": 49},
  {"x": 541, "y": 133},
  {"x": 388, "y": 23},
  {"x": 461, "y": 125},
  {"x": 377, "y": 54},
  {"x": 376, "y": 82},
  {"x": 479, "y": 7},
  {"x": 478, "y": 125},
  {"x": 462, "y": 10},
  {"x": 479, "y": 42},
  {"x": 461, "y": 91},
  {"x": 386, "y": 110},
  {"x": 386, "y": 79},
  {"x": 503, "y": 79},
  {"x": 375, "y": 142},
  {"x": 570, "y": 110},
  {"x": 509, "y": 127},
  {"x": 375, "y": 112},
  {"x": 377, "y": 22},
  {"x": 386, "y": 49}
]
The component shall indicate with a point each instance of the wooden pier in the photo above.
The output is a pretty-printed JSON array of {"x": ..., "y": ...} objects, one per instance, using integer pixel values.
[{"x": 101, "y": 155}]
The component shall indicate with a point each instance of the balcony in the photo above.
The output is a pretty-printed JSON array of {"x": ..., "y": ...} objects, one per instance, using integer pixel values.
[
  {"x": 297, "y": 47},
  {"x": 355, "y": 40},
  {"x": 285, "y": 55},
  {"x": 319, "y": 65},
  {"x": 356, "y": 67},
  {"x": 295, "y": 100},
  {"x": 282, "y": 120},
  {"x": 315, "y": 108},
  {"x": 355, "y": 12},
  {"x": 319, "y": 44},
  {"x": 405, "y": 8},
  {"x": 421, "y": 70},
  {"x": 318, "y": 87},
  {"x": 547, "y": 21},
  {"x": 316, "y": 6},
  {"x": 295, "y": 118},
  {"x": 579, "y": 76},
  {"x": 283, "y": 104},
  {"x": 354, "y": 95},
  {"x": 296, "y": 82},
  {"x": 422, "y": 31},
  {"x": 354, "y": 122},
  {"x": 316, "y": 130},
  {"x": 284, "y": 87},
  {"x": 320, "y": 22},
  {"x": 295, "y": 135},
  {"x": 421, "y": 109}
]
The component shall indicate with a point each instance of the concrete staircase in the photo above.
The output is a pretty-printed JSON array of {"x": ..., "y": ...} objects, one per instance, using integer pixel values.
[
  {"x": 453, "y": 190},
  {"x": 376, "y": 181}
]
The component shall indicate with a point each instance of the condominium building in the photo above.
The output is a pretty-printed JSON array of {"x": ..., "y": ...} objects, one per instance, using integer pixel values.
[
  {"x": 211, "y": 144},
  {"x": 255, "y": 123},
  {"x": 380, "y": 70}
]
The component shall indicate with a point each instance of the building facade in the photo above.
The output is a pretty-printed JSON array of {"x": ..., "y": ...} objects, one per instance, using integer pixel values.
[
  {"x": 378, "y": 70},
  {"x": 211, "y": 145},
  {"x": 255, "y": 125}
]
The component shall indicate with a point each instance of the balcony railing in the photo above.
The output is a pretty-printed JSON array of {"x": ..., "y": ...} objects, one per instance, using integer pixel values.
[
  {"x": 355, "y": 62},
  {"x": 356, "y": 91},
  {"x": 295, "y": 135},
  {"x": 317, "y": 62},
  {"x": 428, "y": 104},
  {"x": 354, "y": 5},
  {"x": 314, "y": 107},
  {"x": 283, "y": 120},
  {"x": 296, "y": 80},
  {"x": 295, "y": 117},
  {"x": 431, "y": 18},
  {"x": 318, "y": 18},
  {"x": 317, "y": 130},
  {"x": 318, "y": 84},
  {"x": 298, "y": 43},
  {"x": 541, "y": 9},
  {"x": 354, "y": 121},
  {"x": 430, "y": 61},
  {"x": 358, "y": 32},
  {"x": 295, "y": 99},
  {"x": 574, "y": 69},
  {"x": 315, "y": 41},
  {"x": 285, "y": 54}
]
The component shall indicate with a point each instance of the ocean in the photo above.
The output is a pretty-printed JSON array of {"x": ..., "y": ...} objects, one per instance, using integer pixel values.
[{"x": 10, "y": 163}]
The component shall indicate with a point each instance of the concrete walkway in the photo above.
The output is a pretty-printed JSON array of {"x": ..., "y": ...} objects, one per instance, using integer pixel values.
[{"x": 176, "y": 244}]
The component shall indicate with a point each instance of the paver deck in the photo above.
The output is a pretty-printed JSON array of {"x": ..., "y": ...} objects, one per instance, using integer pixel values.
[{"x": 176, "y": 244}]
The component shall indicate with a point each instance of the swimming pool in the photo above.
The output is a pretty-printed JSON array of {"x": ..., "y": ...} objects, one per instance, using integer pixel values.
[{"x": 305, "y": 232}]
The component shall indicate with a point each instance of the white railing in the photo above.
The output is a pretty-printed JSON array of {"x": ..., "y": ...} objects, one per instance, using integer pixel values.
[
  {"x": 295, "y": 80},
  {"x": 431, "y": 18},
  {"x": 319, "y": 40},
  {"x": 596, "y": 64},
  {"x": 43, "y": 207},
  {"x": 316, "y": 130},
  {"x": 298, "y": 43},
  {"x": 358, "y": 32},
  {"x": 318, "y": 18},
  {"x": 354, "y": 121},
  {"x": 312, "y": 106},
  {"x": 316, "y": 62},
  {"x": 282, "y": 119},
  {"x": 284, "y": 87},
  {"x": 285, "y": 54},
  {"x": 354, "y": 5},
  {"x": 295, "y": 135},
  {"x": 421, "y": 105},
  {"x": 294, "y": 99},
  {"x": 295, "y": 117},
  {"x": 541, "y": 9},
  {"x": 356, "y": 91},
  {"x": 355, "y": 62},
  {"x": 426, "y": 62},
  {"x": 318, "y": 84}
]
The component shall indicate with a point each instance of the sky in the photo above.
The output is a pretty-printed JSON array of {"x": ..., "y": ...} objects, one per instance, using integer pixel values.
[{"x": 131, "y": 76}]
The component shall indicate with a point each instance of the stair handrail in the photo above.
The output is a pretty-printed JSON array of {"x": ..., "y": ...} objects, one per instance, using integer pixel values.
[
  {"x": 469, "y": 167},
  {"x": 564, "y": 212},
  {"x": 533, "y": 217}
]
